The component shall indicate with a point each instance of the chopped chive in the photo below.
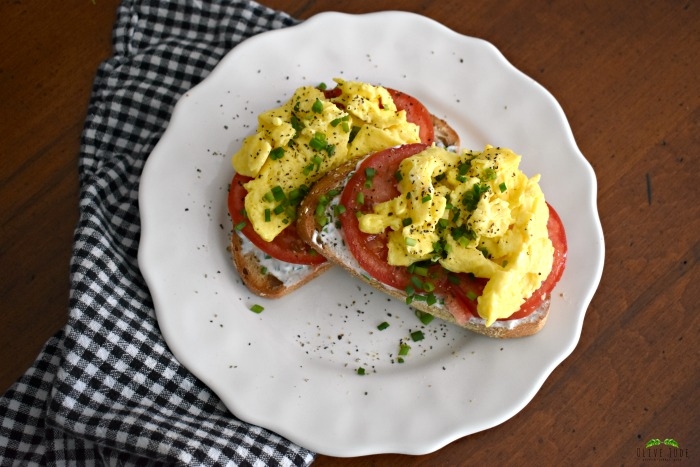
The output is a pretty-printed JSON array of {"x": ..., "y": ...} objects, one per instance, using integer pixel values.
[
  {"x": 398, "y": 176},
  {"x": 263, "y": 270},
  {"x": 297, "y": 194},
  {"x": 267, "y": 215},
  {"x": 238, "y": 227},
  {"x": 407, "y": 221},
  {"x": 410, "y": 291},
  {"x": 420, "y": 270},
  {"x": 360, "y": 198},
  {"x": 426, "y": 198},
  {"x": 463, "y": 168},
  {"x": 268, "y": 197},
  {"x": 417, "y": 282},
  {"x": 471, "y": 295},
  {"x": 277, "y": 153},
  {"x": 502, "y": 187},
  {"x": 361, "y": 371},
  {"x": 321, "y": 220},
  {"x": 256, "y": 308},
  {"x": 297, "y": 124},
  {"x": 424, "y": 317},
  {"x": 318, "y": 141},
  {"x": 277, "y": 193},
  {"x": 337, "y": 121},
  {"x": 322, "y": 86},
  {"x": 431, "y": 299},
  {"x": 383, "y": 326},
  {"x": 317, "y": 106},
  {"x": 417, "y": 336},
  {"x": 411, "y": 241},
  {"x": 353, "y": 132},
  {"x": 403, "y": 349},
  {"x": 279, "y": 209},
  {"x": 338, "y": 209},
  {"x": 489, "y": 174}
]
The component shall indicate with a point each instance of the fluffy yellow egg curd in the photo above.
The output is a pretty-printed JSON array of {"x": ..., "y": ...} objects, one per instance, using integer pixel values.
[
  {"x": 473, "y": 212},
  {"x": 297, "y": 143}
]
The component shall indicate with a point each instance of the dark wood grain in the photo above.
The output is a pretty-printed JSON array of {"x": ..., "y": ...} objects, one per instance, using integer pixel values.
[{"x": 627, "y": 75}]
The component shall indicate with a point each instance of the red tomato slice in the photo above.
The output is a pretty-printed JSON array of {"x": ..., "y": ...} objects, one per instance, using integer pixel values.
[
  {"x": 416, "y": 113},
  {"x": 287, "y": 246},
  {"x": 371, "y": 250},
  {"x": 555, "y": 227}
]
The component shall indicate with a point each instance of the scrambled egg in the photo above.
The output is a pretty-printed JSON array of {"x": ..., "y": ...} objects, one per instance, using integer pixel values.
[
  {"x": 472, "y": 212},
  {"x": 306, "y": 137}
]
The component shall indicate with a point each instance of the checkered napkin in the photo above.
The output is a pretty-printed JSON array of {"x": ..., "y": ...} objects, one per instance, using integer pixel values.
[{"x": 106, "y": 390}]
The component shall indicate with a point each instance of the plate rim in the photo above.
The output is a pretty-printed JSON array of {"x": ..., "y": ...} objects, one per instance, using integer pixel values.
[{"x": 303, "y": 441}]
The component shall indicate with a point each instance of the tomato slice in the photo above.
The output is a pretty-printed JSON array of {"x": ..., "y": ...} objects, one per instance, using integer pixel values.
[
  {"x": 465, "y": 292},
  {"x": 287, "y": 246},
  {"x": 371, "y": 250},
  {"x": 416, "y": 113},
  {"x": 557, "y": 235}
]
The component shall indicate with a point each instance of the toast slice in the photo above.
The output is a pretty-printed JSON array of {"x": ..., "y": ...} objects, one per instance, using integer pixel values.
[
  {"x": 269, "y": 277},
  {"x": 272, "y": 278},
  {"x": 329, "y": 241}
]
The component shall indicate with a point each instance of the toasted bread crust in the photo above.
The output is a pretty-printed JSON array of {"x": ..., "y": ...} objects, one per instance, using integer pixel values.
[
  {"x": 308, "y": 230},
  {"x": 444, "y": 133},
  {"x": 265, "y": 283}
]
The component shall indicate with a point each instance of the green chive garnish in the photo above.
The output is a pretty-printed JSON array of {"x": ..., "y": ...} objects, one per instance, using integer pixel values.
[
  {"x": 317, "y": 106},
  {"x": 238, "y": 227},
  {"x": 502, "y": 187},
  {"x": 278, "y": 193},
  {"x": 257, "y": 308},
  {"x": 403, "y": 349},
  {"x": 417, "y": 336},
  {"x": 277, "y": 153},
  {"x": 383, "y": 326},
  {"x": 424, "y": 318},
  {"x": 361, "y": 371}
]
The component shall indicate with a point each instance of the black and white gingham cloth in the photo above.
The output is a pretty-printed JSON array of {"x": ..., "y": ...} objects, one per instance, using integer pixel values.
[{"x": 106, "y": 390}]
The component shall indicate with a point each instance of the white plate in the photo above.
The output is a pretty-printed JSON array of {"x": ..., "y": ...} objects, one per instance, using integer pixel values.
[{"x": 292, "y": 368}]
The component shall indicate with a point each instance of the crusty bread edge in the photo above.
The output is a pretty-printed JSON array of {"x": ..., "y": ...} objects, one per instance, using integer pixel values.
[
  {"x": 308, "y": 230},
  {"x": 265, "y": 283}
]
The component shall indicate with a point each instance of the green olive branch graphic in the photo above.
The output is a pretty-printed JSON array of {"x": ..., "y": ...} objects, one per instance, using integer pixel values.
[
  {"x": 671, "y": 442},
  {"x": 652, "y": 442},
  {"x": 656, "y": 442}
]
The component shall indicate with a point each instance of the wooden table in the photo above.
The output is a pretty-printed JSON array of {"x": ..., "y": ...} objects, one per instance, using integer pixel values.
[{"x": 626, "y": 73}]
